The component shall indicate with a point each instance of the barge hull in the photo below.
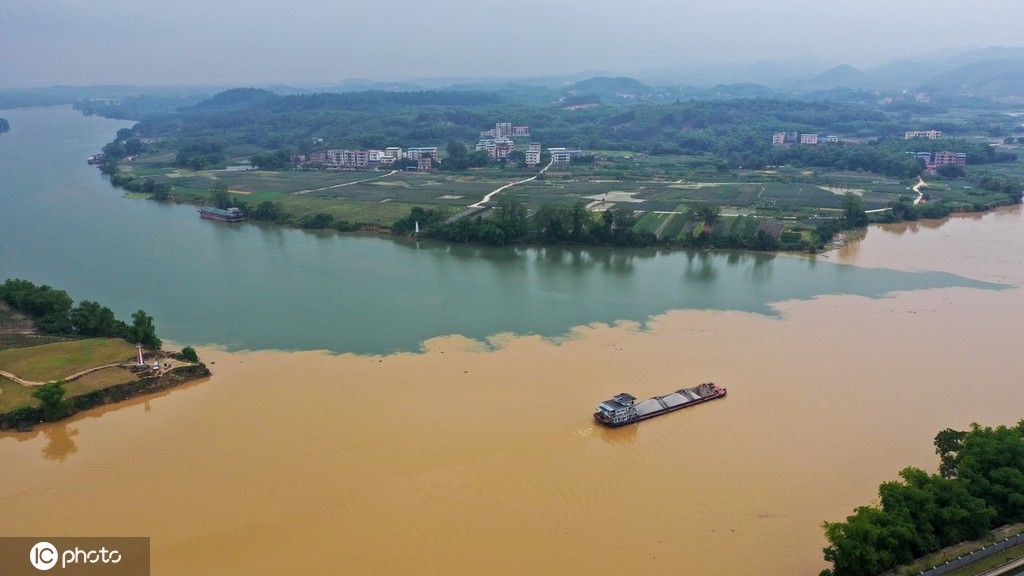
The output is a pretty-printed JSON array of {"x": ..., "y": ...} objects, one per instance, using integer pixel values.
[{"x": 719, "y": 392}]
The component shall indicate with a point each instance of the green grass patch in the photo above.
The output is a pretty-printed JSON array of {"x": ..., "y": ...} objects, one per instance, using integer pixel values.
[
  {"x": 99, "y": 380},
  {"x": 61, "y": 359},
  {"x": 14, "y": 395}
]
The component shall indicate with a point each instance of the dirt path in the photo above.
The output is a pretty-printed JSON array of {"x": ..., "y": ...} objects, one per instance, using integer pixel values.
[
  {"x": 74, "y": 376},
  {"x": 77, "y": 375},
  {"x": 345, "y": 184},
  {"x": 491, "y": 194},
  {"x": 917, "y": 188}
]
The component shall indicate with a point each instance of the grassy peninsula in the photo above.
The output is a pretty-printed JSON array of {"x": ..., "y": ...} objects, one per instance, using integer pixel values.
[{"x": 57, "y": 360}]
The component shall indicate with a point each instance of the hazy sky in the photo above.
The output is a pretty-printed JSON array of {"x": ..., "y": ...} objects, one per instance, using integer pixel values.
[{"x": 235, "y": 42}]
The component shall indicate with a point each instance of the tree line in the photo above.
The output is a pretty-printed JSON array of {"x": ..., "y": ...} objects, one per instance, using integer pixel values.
[
  {"x": 55, "y": 313},
  {"x": 511, "y": 223},
  {"x": 980, "y": 486}
]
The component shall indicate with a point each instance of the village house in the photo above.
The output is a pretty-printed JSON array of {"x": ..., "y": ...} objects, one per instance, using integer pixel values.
[
  {"x": 497, "y": 148},
  {"x": 953, "y": 158},
  {"x": 929, "y": 134},
  {"x": 505, "y": 130},
  {"x": 563, "y": 155},
  {"x": 785, "y": 138},
  {"x": 418, "y": 152}
]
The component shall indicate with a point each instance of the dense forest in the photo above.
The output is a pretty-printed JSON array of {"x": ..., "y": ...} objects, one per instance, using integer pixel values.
[{"x": 980, "y": 485}]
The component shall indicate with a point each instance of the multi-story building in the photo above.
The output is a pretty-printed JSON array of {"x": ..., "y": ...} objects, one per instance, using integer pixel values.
[
  {"x": 424, "y": 163},
  {"x": 929, "y": 134},
  {"x": 497, "y": 148},
  {"x": 811, "y": 139},
  {"x": 418, "y": 152},
  {"x": 520, "y": 130},
  {"x": 563, "y": 155},
  {"x": 394, "y": 151},
  {"x": 785, "y": 138},
  {"x": 503, "y": 129},
  {"x": 925, "y": 156},
  {"x": 533, "y": 147},
  {"x": 954, "y": 158},
  {"x": 336, "y": 157},
  {"x": 532, "y": 158}
]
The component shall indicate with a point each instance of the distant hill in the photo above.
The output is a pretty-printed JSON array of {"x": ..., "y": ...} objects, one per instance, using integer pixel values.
[
  {"x": 842, "y": 76},
  {"x": 238, "y": 99},
  {"x": 989, "y": 78},
  {"x": 605, "y": 88}
]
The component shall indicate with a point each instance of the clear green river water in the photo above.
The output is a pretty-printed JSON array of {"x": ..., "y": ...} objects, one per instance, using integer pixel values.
[{"x": 250, "y": 286}]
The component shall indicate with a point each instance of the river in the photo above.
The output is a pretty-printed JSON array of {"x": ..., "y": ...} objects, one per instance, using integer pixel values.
[{"x": 431, "y": 412}]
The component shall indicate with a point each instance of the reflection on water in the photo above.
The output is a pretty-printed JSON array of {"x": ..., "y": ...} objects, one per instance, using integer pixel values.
[{"x": 60, "y": 441}]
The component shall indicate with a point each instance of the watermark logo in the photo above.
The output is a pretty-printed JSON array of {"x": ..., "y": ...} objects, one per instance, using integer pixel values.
[
  {"x": 74, "y": 556},
  {"x": 43, "y": 556}
]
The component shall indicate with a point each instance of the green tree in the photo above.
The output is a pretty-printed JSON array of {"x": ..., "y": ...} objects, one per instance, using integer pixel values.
[
  {"x": 189, "y": 353},
  {"x": 853, "y": 211},
  {"x": 267, "y": 211},
  {"x": 51, "y": 400},
  {"x": 89, "y": 319},
  {"x": 4, "y": 125},
  {"x": 705, "y": 212},
  {"x": 143, "y": 331},
  {"x": 947, "y": 445},
  {"x": 317, "y": 221},
  {"x": 512, "y": 215},
  {"x": 457, "y": 156},
  {"x": 161, "y": 192},
  {"x": 219, "y": 195}
]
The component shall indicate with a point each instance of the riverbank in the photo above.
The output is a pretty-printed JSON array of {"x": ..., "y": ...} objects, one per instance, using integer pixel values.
[
  {"x": 95, "y": 371},
  {"x": 26, "y": 418}
]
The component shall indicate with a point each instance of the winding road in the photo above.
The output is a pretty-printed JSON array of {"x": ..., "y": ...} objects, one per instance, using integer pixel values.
[{"x": 490, "y": 195}]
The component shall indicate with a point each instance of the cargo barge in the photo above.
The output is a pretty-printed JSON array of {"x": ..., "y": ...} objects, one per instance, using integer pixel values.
[
  {"x": 223, "y": 215},
  {"x": 624, "y": 409}
]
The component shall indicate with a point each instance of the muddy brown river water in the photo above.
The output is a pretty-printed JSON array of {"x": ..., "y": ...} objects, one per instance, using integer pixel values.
[{"x": 467, "y": 459}]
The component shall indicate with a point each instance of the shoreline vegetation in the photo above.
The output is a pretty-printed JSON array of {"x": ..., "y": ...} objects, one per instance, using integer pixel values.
[
  {"x": 977, "y": 494},
  {"x": 57, "y": 360},
  {"x": 689, "y": 175}
]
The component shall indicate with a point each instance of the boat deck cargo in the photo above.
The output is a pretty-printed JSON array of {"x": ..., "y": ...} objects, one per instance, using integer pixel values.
[
  {"x": 224, "y": 215},
  {"x": 624, "y": 409}
]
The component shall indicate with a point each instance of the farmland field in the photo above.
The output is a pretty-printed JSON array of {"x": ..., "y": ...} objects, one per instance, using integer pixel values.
[{"x": 615, "y": 180}]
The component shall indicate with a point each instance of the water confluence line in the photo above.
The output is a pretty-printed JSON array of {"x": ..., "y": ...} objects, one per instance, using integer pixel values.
[
  {"x": 346, "y": 183},
  {"x": 490, "y": 195}
]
